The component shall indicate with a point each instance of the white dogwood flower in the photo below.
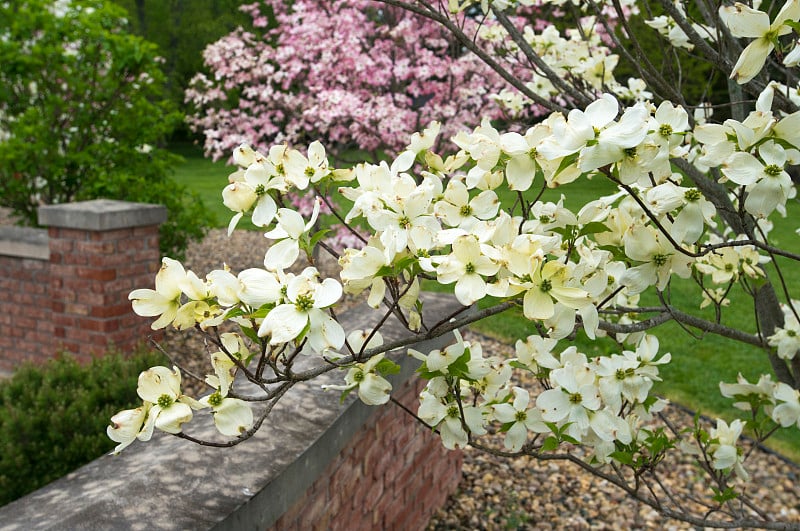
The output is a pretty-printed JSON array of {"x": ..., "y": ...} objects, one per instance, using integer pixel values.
[
  {"x": 306, "y": 299},
  {"x": 744, "y": 21},
  {"x": 164, "y": 301}
]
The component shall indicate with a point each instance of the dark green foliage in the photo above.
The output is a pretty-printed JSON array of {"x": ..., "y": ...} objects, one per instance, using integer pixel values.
[
  {"x": 82, "y": 114},
  {"x": 53, "y": 418},
  {"x": 181, "y": 29}
]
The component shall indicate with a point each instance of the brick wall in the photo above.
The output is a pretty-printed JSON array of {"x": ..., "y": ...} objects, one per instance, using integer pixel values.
[
  {"x": 67, "y": 290},
  {"x": 394, "y": 474},
  {"x": 25, "y": 316}
]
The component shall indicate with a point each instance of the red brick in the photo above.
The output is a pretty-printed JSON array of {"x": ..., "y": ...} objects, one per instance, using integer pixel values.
[
  {"x": 313, "y": 511},
  {"x": 114, "y": 235},
  {"x": 98, "y": 325},
  {"x": 94, "y": 247},
  {"x": 92, "y": 273},
  {"x": 75, "y": 259},
  {"x": 57, "y": 233}
]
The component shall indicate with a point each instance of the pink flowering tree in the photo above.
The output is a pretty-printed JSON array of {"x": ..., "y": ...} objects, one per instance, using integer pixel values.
[
  {"x": 696, "y": 195},
  {"x": 350, "y": 73}
]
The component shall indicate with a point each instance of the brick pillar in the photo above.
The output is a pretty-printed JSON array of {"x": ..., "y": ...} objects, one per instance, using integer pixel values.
[{"x": 100, "y": 250}]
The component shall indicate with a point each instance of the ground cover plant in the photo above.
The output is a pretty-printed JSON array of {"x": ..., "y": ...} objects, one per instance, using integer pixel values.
[{"x": 686, "y": 232}]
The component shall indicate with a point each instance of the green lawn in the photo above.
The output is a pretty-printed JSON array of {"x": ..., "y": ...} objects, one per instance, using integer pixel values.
[
  {"x": 207, "y": 178},
  {"x": 698, "y": 363}
]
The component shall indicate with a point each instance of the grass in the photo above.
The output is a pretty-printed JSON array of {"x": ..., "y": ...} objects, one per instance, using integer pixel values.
[
  {"x": 207, "y": 178},
  {"x": 699, "y": 363}
]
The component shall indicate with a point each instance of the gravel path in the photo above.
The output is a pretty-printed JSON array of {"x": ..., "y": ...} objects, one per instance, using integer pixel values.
[{"x": 498, "y": 493}]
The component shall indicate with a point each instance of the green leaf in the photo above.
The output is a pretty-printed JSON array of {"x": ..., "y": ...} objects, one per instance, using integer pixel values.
[
  {"x": 251, "y": 334},
  {"x": 507, "y": 426},
  {"x": 519, "y": 365},
  {"x": 568, "y": 161},
  {"x": 263, "y": 310},
  {"x": 317, "y": 237},
  {"x": 459, "y": 367},
  {"x": 725, "y": 495},
  {"x": 386, "y": 367},
  {"x": 594, "y": 227},
  {"x": 550, "y": 444},
  {"x": 345, "y": 393},
  {"x": 626, "y": 458},
  {"x": 571, "y": 440}
]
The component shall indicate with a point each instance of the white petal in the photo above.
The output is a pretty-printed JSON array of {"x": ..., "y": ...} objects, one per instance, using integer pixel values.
[
  {"x": 374, "y": 390},
  {"x": 233, "y": 417},
  {"x": 158, "y": 381},
  {"x": 283, "y": 324},
  {"x": 171, "y": 418},
  {"x": 325, "y": 332},
  {"x": 327, "y": 293},
  {"x": 282, "y": 255}
]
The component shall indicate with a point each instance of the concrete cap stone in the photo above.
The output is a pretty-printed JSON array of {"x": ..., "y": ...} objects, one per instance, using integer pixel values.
[
  {"x": 101, "y": 215},
  {"x": 24, "y": 242}
]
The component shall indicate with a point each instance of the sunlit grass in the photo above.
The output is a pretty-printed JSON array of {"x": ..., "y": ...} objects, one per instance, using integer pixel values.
[{"x": 207, "y": 178}]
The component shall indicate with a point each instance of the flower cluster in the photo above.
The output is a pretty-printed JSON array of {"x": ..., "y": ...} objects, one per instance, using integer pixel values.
[
  {"x": 598, "y": 402},
  {"x": 690, "y": 199}
]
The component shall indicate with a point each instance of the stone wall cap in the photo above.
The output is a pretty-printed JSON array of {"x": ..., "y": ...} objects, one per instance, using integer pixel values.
[
  {"x": 101, "y": 215},
  {"x": 24, "y": 242}
]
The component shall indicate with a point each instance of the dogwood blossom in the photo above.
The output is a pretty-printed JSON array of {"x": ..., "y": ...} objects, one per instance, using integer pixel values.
[
  {"x": 745, "y": 21},
  {"x": 170, "y": 408},
  {"x": 164, "y": 301},
  {"x": 521, "y": 419},
  {"x": 303, "y": 315}
]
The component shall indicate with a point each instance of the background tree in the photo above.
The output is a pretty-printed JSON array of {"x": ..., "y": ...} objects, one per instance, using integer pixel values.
[
  {"x": 82, "y": 114},
  {"x": 181, "y": 29},
  {"x": 353, "y": 74}
]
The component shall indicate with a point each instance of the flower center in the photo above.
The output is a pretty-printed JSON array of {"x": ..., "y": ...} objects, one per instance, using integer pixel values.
[
  {"x": 164, "y": 401},
  {"x": 521, "y": 416},
  {"x": 546, "y": 285},
  {"x": 692, "y": 195},
  {"x": 358, "y": 376},
  {"x": 452, "y": 412},
  {"x": 466, "y": 210},
  {"x": 575, "y": 398},
  {"x": 660, "y": 259},
  {"x": 621, "y": 374},
  {"x": 773, "y": 170},
  {"x": 304, "y": 303},
  {"x": 469, "y": 268},
  {"x": 665, "y": 130},
  {"x": 309, "y": 171},
  {"x": 261, "y": 190},
  {"x": 215, "y": 400}
]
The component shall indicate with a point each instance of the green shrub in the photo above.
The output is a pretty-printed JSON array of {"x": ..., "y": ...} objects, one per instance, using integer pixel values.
[{"x": 53, "y": 418}]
